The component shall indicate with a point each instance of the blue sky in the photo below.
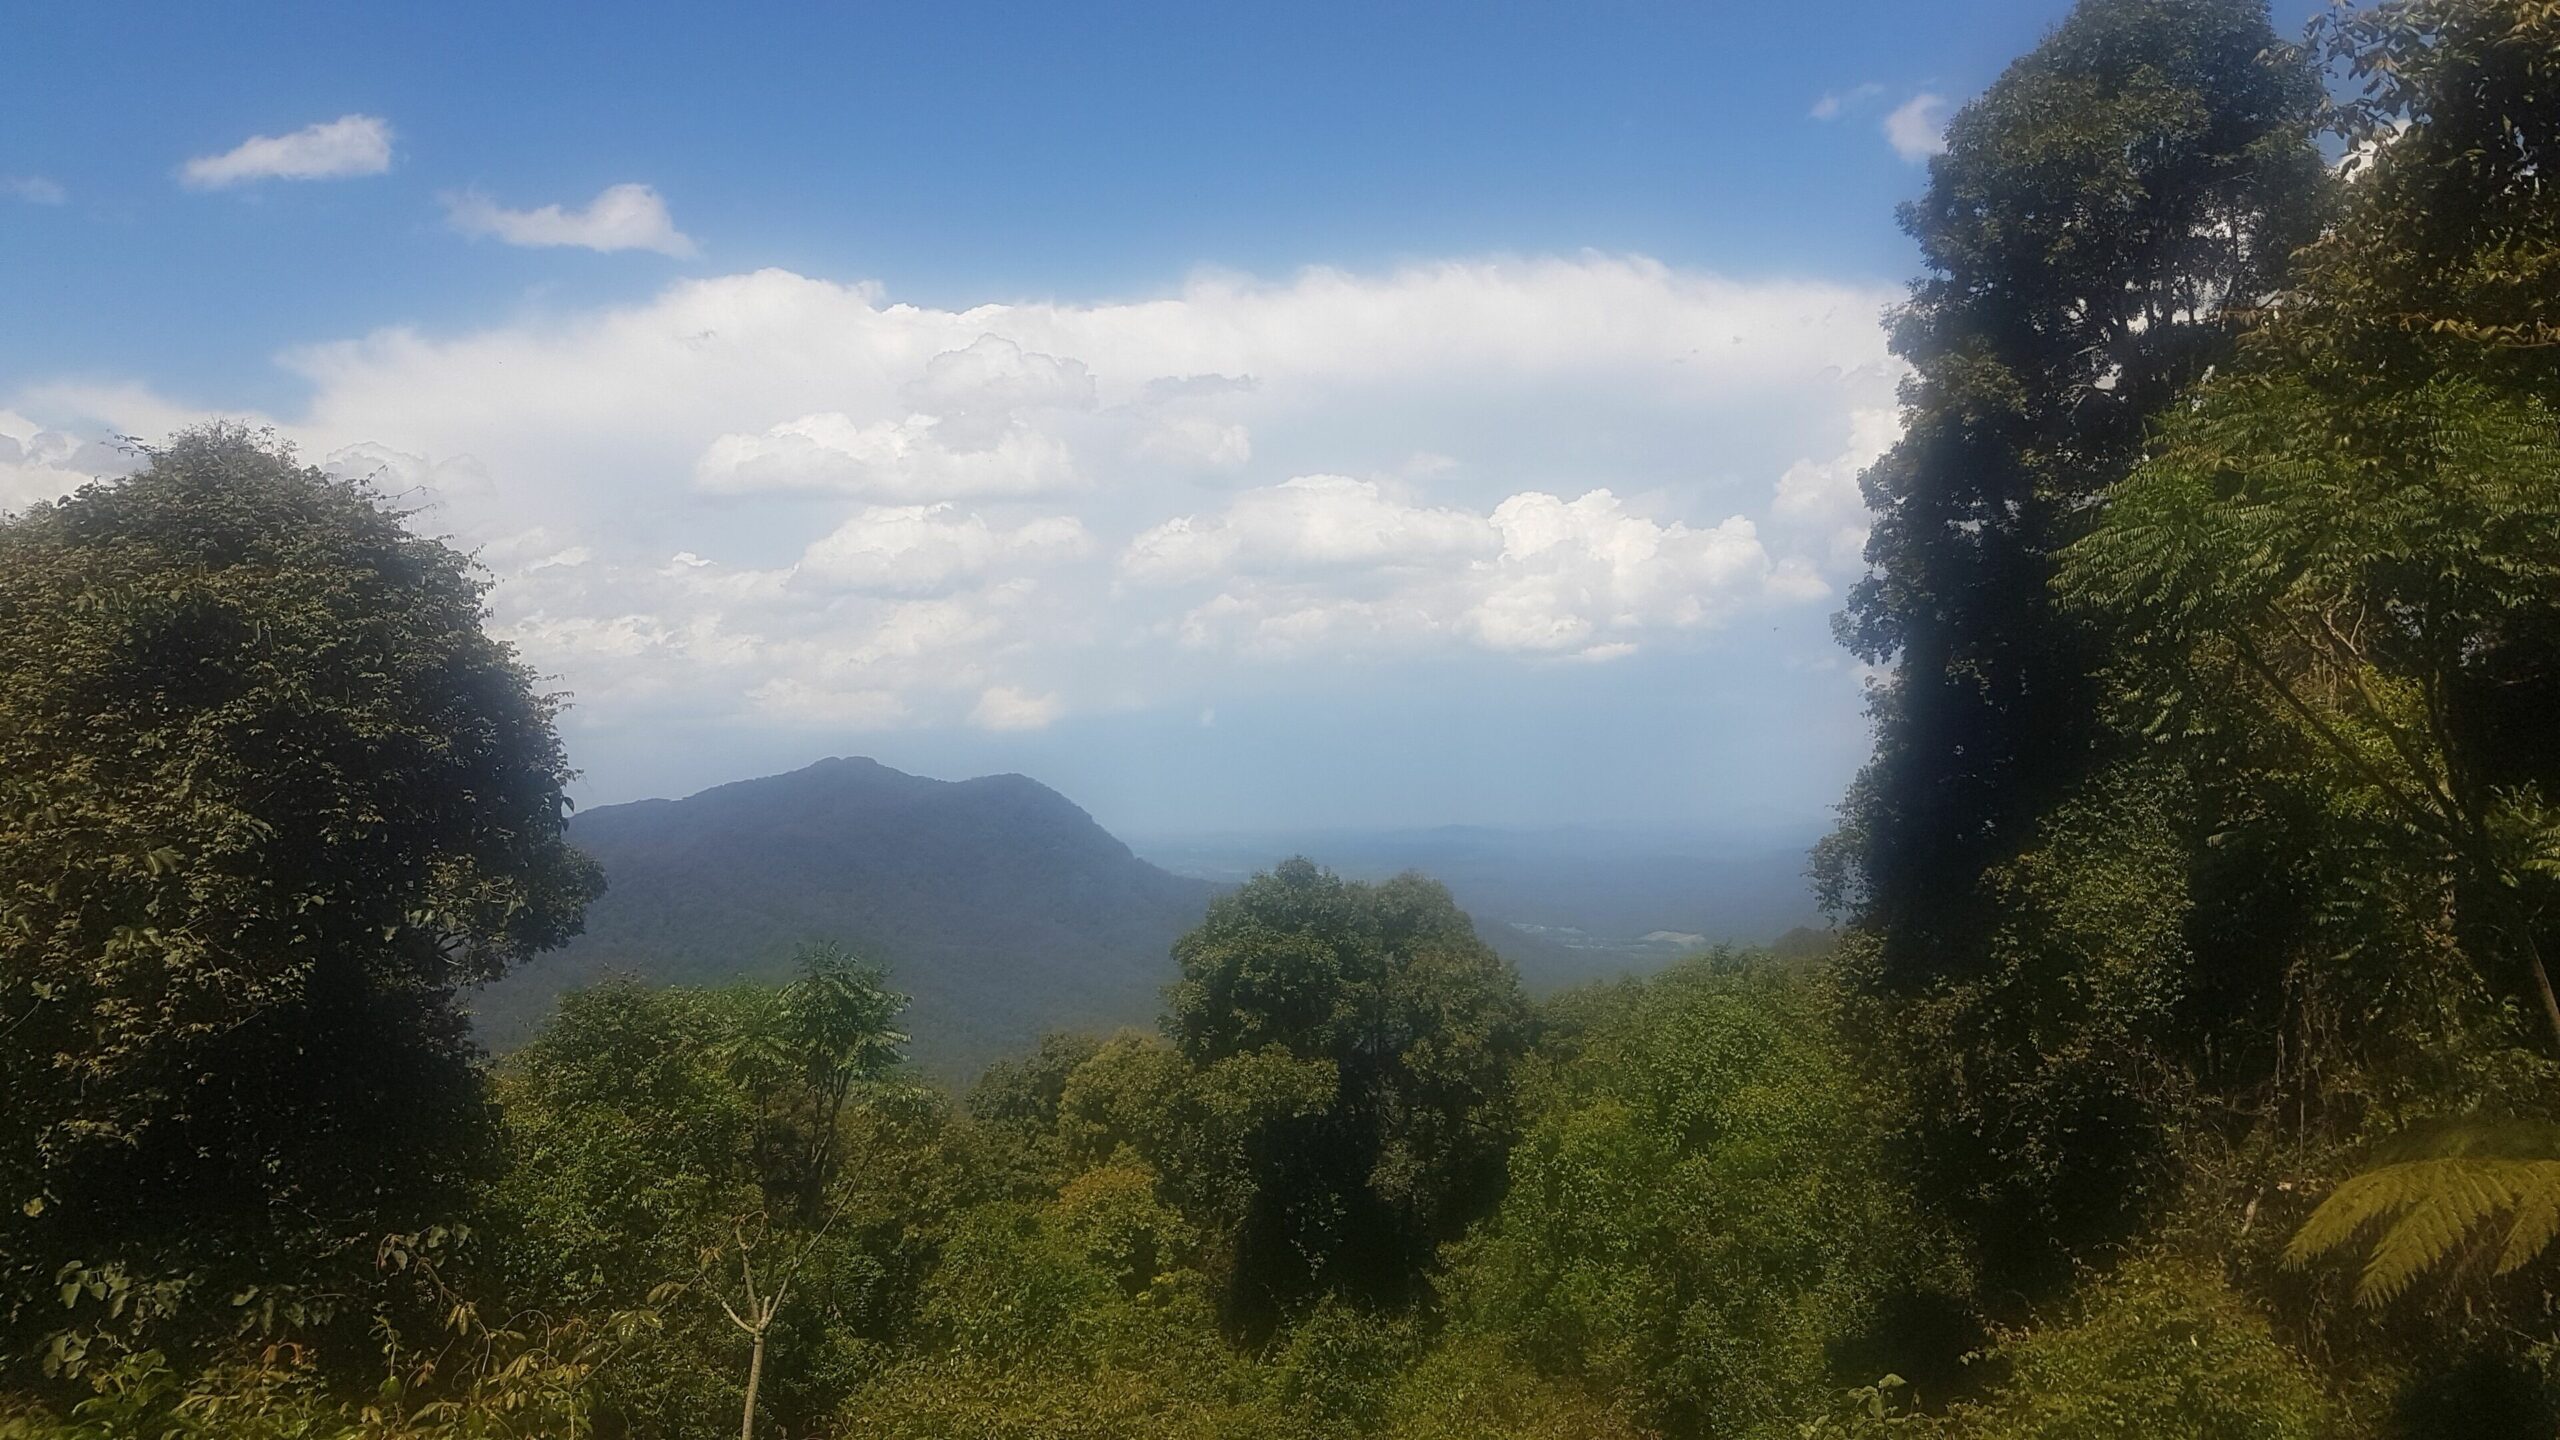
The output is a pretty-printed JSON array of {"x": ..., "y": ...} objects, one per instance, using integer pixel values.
[{"x": 1235, "y": 416}]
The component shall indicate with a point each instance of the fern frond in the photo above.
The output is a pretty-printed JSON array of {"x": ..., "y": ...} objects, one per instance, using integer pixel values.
[
  {"x": 2431, "y": 1208},
  {"x": 2451, "y": 1199},
  {"x": 2537, "y": 1220}
]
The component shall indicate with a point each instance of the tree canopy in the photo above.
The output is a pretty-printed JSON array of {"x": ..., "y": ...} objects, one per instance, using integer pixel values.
[{"x": 269, "y": 793}]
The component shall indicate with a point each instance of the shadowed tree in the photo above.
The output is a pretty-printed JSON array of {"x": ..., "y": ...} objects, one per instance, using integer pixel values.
[
  {"x": 1420, "y": 1022},
  {"x": 2103, "y": 215},
  {"x": 269, "y": 794}
]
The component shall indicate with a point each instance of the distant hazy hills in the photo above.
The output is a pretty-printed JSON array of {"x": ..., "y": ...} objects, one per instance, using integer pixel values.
[
  {"x": 1565, "y": 903},
  {"x": 1006, "y": 911},
  {"x": 1000, "y": 906}
]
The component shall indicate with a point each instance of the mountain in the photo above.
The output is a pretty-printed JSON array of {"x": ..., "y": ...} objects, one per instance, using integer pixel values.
[{"x": 996, "y": 902}]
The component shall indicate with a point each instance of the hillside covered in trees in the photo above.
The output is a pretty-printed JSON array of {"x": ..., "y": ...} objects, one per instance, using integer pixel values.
[
  {"x": 1004, "y": 909},
  {"x": 2188, "y": 1064}
]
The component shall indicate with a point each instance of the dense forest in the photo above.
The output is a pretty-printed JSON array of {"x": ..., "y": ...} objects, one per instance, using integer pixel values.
[{"x": 2186, "y": 1062}]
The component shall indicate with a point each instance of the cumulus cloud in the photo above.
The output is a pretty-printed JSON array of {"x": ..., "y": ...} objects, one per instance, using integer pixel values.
[
  {"x": 1310, "y": 523},
  {"x": 982, "y": 392},
  {"x": 1917, "y": 127},
  {"x": 1822, "y": 496},
  {"x": 768, "y": 499},
  {"x": 33, "y": 189},
  {"x": 1572, "y": 573},
  {"x": 1324, "y": 563},
  {"x": 969, "y": 430},
  {"x": 925, "y": 549},
  {"x": 348, "y": 146},
  {"x": 622, "y": 217},
  {"x": 41, "y": 464},
  {"x": 1004, "y": 708},
  {"x": 885, "y": 458}
]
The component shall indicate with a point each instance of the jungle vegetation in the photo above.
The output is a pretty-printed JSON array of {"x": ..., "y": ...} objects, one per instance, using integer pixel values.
[{"x": 2186, "y": 1062}]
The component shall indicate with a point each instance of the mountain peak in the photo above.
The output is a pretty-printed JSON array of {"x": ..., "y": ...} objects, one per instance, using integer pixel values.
[{"x": 998, "y": 903}]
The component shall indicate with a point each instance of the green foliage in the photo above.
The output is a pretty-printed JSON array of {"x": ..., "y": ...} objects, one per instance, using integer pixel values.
[
  {"x": 472, "y": 1381},
  {"x": 2478, "y": 1198},
  {"x": 1016, "y": 1102},
  {"x": 2042, "y": 1090},
  {"x": 655, "y": 1135},
  {"x": 1472, "y": 1388},
  {"x": 1385, "y": 986},
  {"x": 2101, "y": 214},
  {"x": 268, "y": 795},
  {"x": 2164, "y": 1351},
  {"x": 1336, "y": 1372},
  {"x": 2452, "y": 254},
  {"x": 2335, "y": 567},
  {"x": 1699, "y": 1215},
  {"x": 1069, "y": 1319},
  {"x": 629, "y": 1147},
  {"x": 2096, "y": 211},
  {"x": 2429, "y": 1210}
]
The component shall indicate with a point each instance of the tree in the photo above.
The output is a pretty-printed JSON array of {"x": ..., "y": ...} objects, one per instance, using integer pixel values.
[
  {"x": 1699, "y": 1222},
  {"x": 269, "y": 794},
  {"x": 748, "y": 1147},
  {"x": 1420, "y": 1023},
  {"x": 799, "y": 1052},
  {"x": 2103, "y": 215},
  {"x": 2098, "y": 214},
  {"x": 2336, "y": 565},
  {"x": 2351, "y": 541},
  {"x": 2161, "y": 1348}
]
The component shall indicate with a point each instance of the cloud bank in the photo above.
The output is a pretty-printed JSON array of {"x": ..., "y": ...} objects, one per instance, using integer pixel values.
[{"x": 773, "y": 500}]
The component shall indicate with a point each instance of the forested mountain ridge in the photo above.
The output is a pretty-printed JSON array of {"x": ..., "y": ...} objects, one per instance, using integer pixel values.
[{"x": 996, "y": 902}]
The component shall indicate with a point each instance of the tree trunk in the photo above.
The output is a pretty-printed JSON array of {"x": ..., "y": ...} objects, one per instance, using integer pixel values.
[
  {"x": 755, "y": 1377},
  {"x": 2542, "y": 982}
]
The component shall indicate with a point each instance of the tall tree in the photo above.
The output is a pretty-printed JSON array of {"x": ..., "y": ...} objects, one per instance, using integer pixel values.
[
  {"x": 2339, "y": 573},
  {"x": 2099, "y": 214},
  {"x": 1420, "y": 1022},
  {"x": 799, "y": 1052},
  {"x": 269, "y": 793}
]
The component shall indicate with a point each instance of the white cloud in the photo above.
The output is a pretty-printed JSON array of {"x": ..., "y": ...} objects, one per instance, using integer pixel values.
[
  {"x": 1822, "y": 496},
  {"x": 33, "y": 189},
  {"x": 1917, "y": 127},
  {"x": 1834, "y": 103},
  {"x": 889, "y": 459},
  {"x": 622, "y": 217},
  {"x": 924, "y": 549},
  {"x": 1588, "y": 572},
  {"x": 41, "y": 464},
  {"x": 969, "y": 431},
  {"x": 981, "y": 392},
  {"x": 1195, "y": 442},
  {"x": 347, "y": 146},
  {"x": 878, "y": 512},
  {"x": 1325, "y": 563},
  {"x": 798, "y": 703},
  {"x": 1310, "y": 523},
  {"x": 1004, "y": 708}
]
